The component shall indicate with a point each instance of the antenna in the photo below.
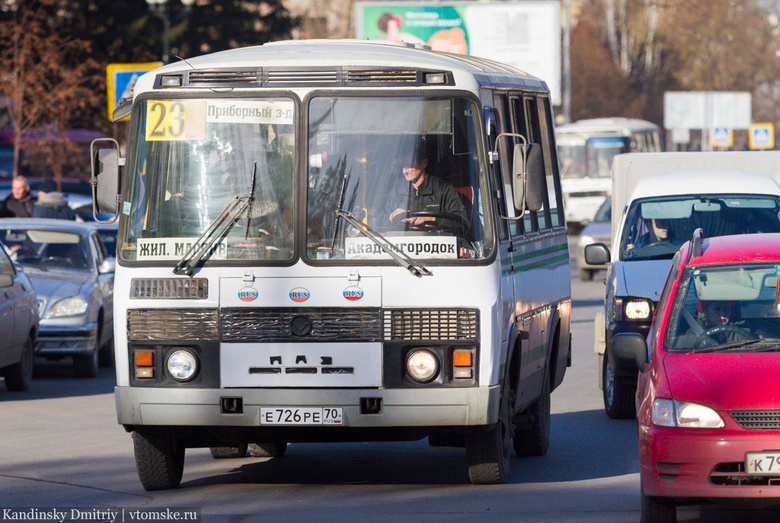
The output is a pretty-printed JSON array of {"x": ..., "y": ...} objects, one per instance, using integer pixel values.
[{"x": 184, "y": 60}]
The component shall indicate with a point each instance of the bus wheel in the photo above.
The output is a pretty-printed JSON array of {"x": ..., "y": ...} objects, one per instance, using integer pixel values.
[
  {"x": 267, "y": 450},
  {"x": 159, "y": 458},
  {"x": 535, "y": 440},
  {"x": 487, "y": 449},
  {"x": 228, "y": 452}
]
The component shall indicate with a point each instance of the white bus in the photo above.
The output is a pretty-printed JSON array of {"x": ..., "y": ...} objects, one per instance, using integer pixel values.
[
  {"x": 586, "y": 149},
  {"x": 265, "y": 297}
]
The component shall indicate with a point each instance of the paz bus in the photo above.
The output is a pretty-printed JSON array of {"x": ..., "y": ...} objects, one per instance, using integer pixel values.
[
  {"x": 264, "y": 295},
  {"x": 586, "y": 149}
]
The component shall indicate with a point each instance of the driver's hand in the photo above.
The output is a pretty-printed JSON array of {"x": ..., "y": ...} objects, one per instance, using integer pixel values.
[
  {"x": 396, "y": 213},
  {"x": 419, "y": 220}
]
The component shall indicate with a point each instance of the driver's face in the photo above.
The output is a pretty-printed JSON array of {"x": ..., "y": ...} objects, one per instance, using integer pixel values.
[
  {"x": 413, "y": 168},
  {"x": 719, "y": 313},
  {"x": 661, "y": 229}
]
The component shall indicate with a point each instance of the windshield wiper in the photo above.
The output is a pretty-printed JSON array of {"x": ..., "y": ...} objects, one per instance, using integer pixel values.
[
  {"x": 403, "y": 259},
  {"x": 759, "y": 345},
  {"x": 230, "y": 213}
]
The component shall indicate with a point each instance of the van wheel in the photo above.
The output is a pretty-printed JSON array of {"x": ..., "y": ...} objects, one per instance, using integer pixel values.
[
  {"x": 267, "y": 450},
  {"x": 658, "y": 510},
  {"x": 487, "y": 449},
  {"x": 159, "y": 458},
  {"x": 19, "y": 375},
  {"x": 228, "y": 452},
  {"x": 535, "y": 440},
  {"x": 618, "y": 397}
]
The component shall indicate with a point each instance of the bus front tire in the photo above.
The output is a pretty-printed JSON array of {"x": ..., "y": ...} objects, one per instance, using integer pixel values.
[
  {"x": 229, "y": 452},
  {"x": 488, "y": 449},
  {"x": 535, "y": 440},
  {"x": 267, "y": 450},
  {"x": 159, "y": 458}
]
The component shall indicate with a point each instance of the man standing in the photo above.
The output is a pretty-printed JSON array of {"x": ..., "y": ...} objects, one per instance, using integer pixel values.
[
  {"x": 20, "y": 203},
  {"x": 51, "y": 203}
]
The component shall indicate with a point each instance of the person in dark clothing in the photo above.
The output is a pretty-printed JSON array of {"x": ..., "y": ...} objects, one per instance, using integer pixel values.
[
  {"x": 51, "y": 203},
  {"x": 20, "y": 203},
  {"x": 423, "y": 193}
]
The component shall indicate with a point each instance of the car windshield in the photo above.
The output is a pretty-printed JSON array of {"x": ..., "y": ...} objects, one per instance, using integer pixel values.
[
  {"x": 726, "y": 308},
  {"x": 191, "y": 158},
  {"x": 655, "y": 228},
  {"x": 408, "y": 168},
  {"x": 46, "y": 249}
]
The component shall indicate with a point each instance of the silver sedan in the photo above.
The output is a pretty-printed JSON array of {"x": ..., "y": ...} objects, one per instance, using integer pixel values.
[{"x": 73, "y": 277}]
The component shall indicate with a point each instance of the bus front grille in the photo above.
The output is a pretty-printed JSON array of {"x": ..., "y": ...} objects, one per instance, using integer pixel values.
[
  {"x": 277, "y": 325},
  {"x": 431, "y": 325}
]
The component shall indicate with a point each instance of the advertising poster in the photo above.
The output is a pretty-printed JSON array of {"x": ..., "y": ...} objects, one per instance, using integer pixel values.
[{"x": 526, "y": 35}]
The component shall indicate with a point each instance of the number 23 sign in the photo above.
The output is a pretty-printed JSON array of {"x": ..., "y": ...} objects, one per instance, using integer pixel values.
[{"x": 173, "y": 120}]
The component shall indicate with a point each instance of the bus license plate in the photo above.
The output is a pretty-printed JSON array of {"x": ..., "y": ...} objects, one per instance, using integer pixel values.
[
  {"x": 300, "y": 416},
  {"x": 762, "y": 463}
]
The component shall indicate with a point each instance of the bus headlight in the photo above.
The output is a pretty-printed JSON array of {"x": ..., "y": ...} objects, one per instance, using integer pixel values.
[
  {"x": 182, "y": 365},
  {"x": 422, "y": 365}
]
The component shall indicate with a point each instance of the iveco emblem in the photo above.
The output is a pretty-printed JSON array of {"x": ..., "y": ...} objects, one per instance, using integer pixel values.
[
  {"x": 248, "y": 294},
  {"x": 300, "y": 325},
  {"x": 353, "y": 293},
  {"x": 299, "y": 294}
]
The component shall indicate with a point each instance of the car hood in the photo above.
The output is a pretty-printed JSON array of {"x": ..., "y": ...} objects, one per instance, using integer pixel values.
[
  {"x": 731, "y": 381},
  {"x": 643, "y": 279},
  {"x": 54, "y": 285}
]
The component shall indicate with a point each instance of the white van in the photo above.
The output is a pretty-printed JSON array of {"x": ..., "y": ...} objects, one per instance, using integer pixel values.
[{"x": 664, "y": 197}]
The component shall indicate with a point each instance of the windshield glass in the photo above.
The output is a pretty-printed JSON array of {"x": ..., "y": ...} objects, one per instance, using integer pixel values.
[
  {"x": 571, "y": 155},
  {"x": 657, "y": 227},
  {"x": 601, "y": 151},
  {"x": 591, "y": 157},
  {"x": 191, "y": 158},
  {"x": 46, "y": 249},
  {"x": 731, "y": 308},
  {"x": 406, "y": 167}
]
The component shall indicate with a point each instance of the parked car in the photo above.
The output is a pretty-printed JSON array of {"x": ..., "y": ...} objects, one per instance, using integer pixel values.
[
  {"x": 707, "y": 402},
  {"x": 18, "y": 323},
  {"x": 73, "y": 276},
  {"x": 598, "y": 230}
]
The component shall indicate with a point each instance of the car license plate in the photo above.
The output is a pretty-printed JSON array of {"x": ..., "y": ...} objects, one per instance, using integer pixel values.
[
  {"x": 300, "y": 416},
  {"x": 762, "y": 463}
]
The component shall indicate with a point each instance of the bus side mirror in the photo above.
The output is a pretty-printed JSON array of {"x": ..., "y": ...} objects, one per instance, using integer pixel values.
[
  {"x": 105, "y": 179},
  {"x": 528, "y": 176}
]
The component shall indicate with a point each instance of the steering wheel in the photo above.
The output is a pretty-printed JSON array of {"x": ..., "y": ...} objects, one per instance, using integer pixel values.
[
  {"x": 705, "y": 338},
  {"x": 461, "y": 225}
]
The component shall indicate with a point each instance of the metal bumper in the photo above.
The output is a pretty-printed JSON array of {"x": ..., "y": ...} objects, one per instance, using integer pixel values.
[
  {"x": 400, "y": 407},
  {"x": 66, "y": 341}
]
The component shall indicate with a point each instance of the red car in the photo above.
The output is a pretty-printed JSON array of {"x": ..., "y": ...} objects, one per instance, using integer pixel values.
[{"x": 708, "y": 394}]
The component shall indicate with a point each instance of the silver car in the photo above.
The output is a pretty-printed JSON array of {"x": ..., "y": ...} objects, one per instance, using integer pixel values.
[
  {"x": 18, "y": 323},
  {"x": 599, "y": 230},
  {"x": 73, "y": 276}
]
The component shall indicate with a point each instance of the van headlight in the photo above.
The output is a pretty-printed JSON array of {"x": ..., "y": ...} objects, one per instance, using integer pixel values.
[
  {"x": 182, "y": 365},
  {"x": 633, "y": 309},
  {"x": 71, "y": 306},
  {"x": 422, "y": 365},
  {"x": 685, "y": 415}
]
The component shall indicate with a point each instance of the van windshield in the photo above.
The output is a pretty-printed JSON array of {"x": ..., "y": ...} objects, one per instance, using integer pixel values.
[{"x": 656, "y": 228}]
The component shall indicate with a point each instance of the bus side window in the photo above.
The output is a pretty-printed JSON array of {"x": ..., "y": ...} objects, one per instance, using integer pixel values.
[
  {"x": 540, "y": 219},
  {"x": 505, "y": 126},
  {"x": 554, "y": 191},
  {"x": 497, "y": 171}
]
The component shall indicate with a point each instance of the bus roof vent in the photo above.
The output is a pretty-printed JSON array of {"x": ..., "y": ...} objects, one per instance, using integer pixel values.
[
  {"x": 383, "y": 76},
  {"x": 301, "y": 77},
  {"x": 224, "y": 78}
]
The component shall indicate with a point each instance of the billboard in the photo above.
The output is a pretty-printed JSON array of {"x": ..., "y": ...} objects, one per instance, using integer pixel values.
[{"x": 526, "y": 35}]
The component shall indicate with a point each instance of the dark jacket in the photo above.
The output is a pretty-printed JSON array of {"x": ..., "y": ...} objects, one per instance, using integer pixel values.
[
  {"x": 433, "y": 195},
  {"x": 53, "y": 205},
  {"x": 13, "y": 208}
]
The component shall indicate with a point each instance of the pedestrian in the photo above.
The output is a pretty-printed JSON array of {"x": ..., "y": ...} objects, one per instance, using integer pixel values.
[
  {"x": 51, "y": 203},
  {"x": 20, "y": 203}
]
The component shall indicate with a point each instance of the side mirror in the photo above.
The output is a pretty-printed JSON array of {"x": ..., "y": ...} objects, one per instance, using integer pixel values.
[
  {"x": 528, "y": 177},
  {"x": 108, "y": 266},
  {"x": 597, "y": 254},
  {"x": 630, "y": 346},
  {"x": 6, "y": 280},
  {"x": 105, "y": 178}
]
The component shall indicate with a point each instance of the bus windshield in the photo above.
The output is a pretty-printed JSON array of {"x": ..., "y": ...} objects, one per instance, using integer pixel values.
[
  {"x": 191, "y": 158},
  {"x": 406, "y": 167},
  {"x": 589, "y": 158}
]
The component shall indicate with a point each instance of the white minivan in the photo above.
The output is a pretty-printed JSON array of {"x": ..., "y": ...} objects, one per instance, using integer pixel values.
[{"x": 659, "y": 199}]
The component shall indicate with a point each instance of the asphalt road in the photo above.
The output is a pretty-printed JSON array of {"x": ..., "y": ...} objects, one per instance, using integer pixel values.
[{"x": 60, "y": 447}]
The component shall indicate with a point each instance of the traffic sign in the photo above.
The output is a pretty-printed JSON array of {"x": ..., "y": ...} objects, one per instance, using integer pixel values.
[
  {"x": 120, "y": 81},
  {"x": 762, "y": 136},
  {"x": 722, "y": 137}
]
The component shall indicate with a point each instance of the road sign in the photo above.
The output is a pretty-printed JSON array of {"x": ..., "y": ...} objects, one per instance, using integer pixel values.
[
  {"x": 722, "y": 137},
  {"x": 762, "y": 136},
  {"x": 120, "y": 81}
]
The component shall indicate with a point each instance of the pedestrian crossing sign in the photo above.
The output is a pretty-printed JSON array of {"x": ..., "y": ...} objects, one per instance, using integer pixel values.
[
  {"x": 762, "y": 136},
  {"x": 722, "y": 137},
  {"x": 120, "y": 81}
]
